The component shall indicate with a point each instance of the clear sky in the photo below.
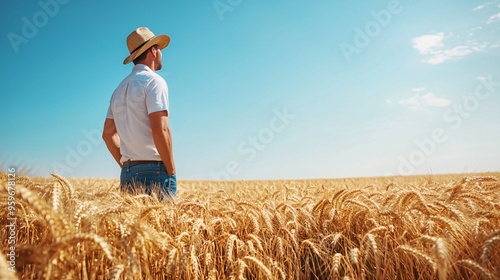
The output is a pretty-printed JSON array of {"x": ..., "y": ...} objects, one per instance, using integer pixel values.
[{"x": 260, "y": 89}]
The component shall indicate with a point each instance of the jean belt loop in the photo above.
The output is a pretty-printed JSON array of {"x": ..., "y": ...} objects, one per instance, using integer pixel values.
[{"x": 128, "y": 165}]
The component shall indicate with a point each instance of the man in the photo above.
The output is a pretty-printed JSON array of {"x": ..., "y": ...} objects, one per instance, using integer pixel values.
[{"x": 136, "y": 130}]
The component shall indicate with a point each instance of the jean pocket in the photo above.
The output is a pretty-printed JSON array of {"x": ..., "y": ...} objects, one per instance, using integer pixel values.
[{"x": 147, "y": 177}]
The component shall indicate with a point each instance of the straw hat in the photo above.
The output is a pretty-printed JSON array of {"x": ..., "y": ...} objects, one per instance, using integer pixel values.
[{"x": 142, "y": 39}]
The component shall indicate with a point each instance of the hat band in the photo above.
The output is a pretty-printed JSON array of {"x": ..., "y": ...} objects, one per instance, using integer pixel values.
[{"x": 141, "y": 45}]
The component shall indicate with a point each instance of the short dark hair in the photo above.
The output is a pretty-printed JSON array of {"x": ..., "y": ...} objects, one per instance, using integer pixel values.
[{"x": 143, "y": 55}]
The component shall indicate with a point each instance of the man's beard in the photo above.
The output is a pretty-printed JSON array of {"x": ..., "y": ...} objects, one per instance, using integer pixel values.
[{"x": 158, "y": 65}]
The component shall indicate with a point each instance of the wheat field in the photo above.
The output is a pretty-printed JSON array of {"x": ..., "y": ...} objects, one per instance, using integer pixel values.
[{"x": 420, "y": 227}]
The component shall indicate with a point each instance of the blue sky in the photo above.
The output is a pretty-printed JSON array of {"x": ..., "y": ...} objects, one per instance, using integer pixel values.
[{"x": 261, "y": 89}]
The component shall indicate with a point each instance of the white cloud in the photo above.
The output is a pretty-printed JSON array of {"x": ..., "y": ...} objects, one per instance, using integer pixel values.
[
  {"x": 493, "y": 18},
  {"x": 432, "y": 47},
  {"x": 414, "y": 100},
  {"x": 457, "y": 52},
  {"x": 477, "y": 8},
  {"x": 482, "y": 6},
  {"x": 429, "y": 99},
  {"x": 482, "y": 78},
  {"x": 416, "y": 108},
  {"x": 439, "y": 47},
  {"x": 418, "y": 89},
  {"x": 495, "y": 45},
  {"x": 428, "y": 43},
  {"x": 426, "y": 100},
  {"x": 422, "y": 100}
]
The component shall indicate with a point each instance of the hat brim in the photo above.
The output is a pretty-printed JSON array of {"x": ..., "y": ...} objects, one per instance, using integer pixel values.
[{"x": 161, "y": 40}]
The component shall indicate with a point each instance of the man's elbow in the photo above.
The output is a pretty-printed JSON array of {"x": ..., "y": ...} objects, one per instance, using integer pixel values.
[{"x": 107, "y": 136}]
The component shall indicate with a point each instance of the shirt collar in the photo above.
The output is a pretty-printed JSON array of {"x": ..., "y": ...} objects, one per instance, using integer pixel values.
[{"x": 139, "y": 67}]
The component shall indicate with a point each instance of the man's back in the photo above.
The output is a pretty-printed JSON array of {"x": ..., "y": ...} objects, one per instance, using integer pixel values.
[{"x": 138, "y": 95}]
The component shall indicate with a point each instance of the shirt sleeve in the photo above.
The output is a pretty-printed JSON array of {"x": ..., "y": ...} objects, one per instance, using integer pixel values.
[
  {"x": 157, "y": 95},
  {"x": 109, "y": 115}
]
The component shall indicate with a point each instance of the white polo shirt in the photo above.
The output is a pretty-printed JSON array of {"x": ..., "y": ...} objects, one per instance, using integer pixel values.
[{"x": 138, "y": 95}]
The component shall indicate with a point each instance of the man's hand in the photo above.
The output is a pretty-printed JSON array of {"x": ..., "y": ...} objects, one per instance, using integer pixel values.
[{"x": 112, "y": 140}]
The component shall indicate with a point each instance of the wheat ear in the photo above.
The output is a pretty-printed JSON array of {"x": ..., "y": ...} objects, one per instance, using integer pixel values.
[
  {"x": 259, "y": 264},
  {"x": 172, "y": 260},
  {"x": 81, "y": 237},
  {"x": 229, "y": 247},
  {"x": 116, "y": 271},
  {"x": 311, "y": 245},
  {"x": 66, "y": 183},
  {"x": 241, "y": 269},
  {"x": 194, "y": 263},
  {"x": 256, "y": 240},
  {"x": 488, "y": 248},
  {"x": 485, "y": 274},
  {"x": 419, "y": 255},
  {"x": 354, "y": 256},
  {"x": 56, "y": 196},
  {"x": 337, "y": 258},
  {"x": 58, "y": 226}
]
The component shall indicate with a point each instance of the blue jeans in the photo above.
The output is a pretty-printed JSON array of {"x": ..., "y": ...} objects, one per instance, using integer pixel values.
[{"x": 148, "y": 178}]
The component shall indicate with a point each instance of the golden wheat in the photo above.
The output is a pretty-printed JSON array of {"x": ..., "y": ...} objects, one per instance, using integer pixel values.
[{"x": 445, "y": 227}]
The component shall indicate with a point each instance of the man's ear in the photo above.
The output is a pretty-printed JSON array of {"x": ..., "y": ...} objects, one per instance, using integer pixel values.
[{"x": 154, "y": 51}]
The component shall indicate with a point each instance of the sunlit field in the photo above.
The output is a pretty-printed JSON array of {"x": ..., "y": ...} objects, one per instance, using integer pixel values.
[{"x": 422, "y": 227}]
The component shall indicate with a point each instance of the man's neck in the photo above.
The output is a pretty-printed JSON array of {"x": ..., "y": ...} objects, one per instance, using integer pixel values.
[{"x": 151, "y": 65}]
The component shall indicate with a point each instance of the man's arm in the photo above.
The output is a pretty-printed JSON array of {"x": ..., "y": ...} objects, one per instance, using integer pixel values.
[
  {"x": 112, "y": 140},
  {"x": 163, "y": 139}
]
